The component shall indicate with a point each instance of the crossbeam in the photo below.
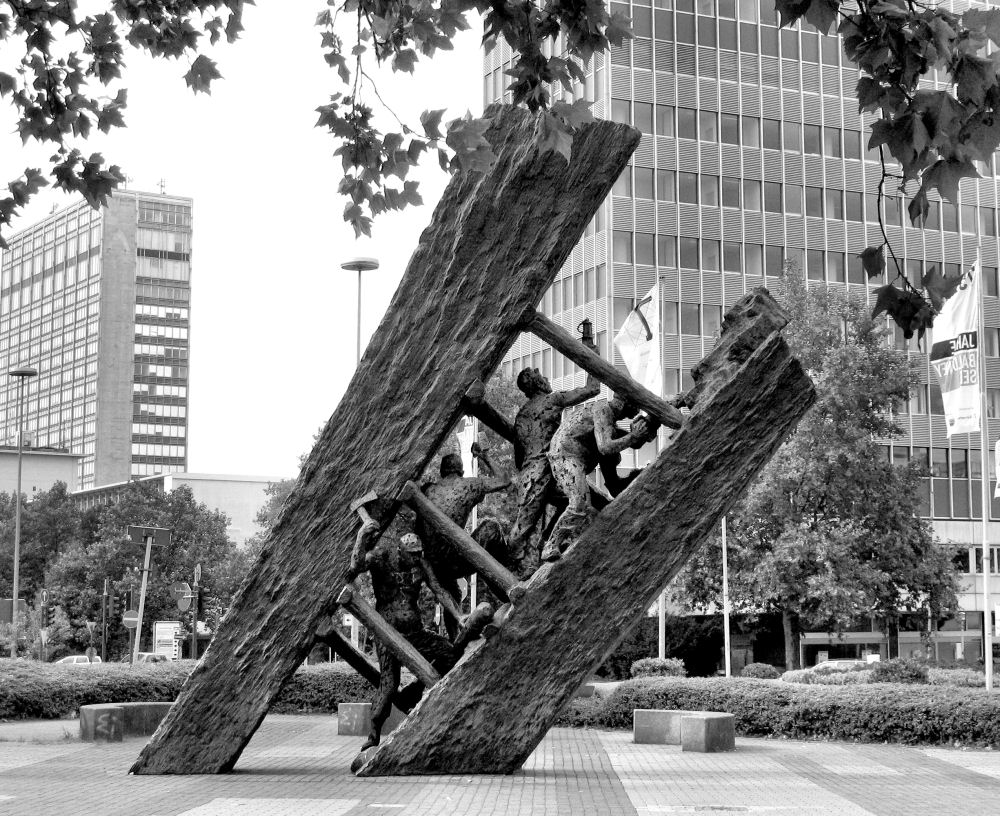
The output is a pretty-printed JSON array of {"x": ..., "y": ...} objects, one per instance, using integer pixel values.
[
  {"x": 499, "y": 578},
  {"x": 389, "y": 636},
  {"x": 571, "y": 348}
]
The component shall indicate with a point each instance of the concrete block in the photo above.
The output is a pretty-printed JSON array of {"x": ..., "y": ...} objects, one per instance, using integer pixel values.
[
  {"x": 102, "y": 722},
  {"x": 707, "y": 732},
  {"x": 586, "y": 690},
  {"x": 142, "y": 719},
  {"x": 355, "y": 719},
  {"x": 652, "y": 726}
]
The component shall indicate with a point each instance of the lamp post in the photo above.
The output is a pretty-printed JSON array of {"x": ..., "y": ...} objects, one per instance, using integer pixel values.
[
  {"x": 23, "y": 374},
  {"x": 359, "y": 265}
]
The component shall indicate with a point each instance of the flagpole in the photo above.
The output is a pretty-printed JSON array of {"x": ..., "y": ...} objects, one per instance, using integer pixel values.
[
  {"x": 725, "y": 601},
  {"x": 984, "y": 434}
]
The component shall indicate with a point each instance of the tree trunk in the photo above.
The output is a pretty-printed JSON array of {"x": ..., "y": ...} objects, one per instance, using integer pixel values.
[
  {"x": 892, "y": 634},
  {"x": 496, "y": 242},
  {"x": 491, "y": 711},
  {"x": 792, "y": 630}
]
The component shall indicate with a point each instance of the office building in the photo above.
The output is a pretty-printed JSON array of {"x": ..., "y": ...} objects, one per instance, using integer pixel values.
[
  {"x": 98, "y": 302},
  {"x": 753, "y": 152}
]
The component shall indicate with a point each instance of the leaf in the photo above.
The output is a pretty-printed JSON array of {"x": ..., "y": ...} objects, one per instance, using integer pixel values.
[
  {"x": 873, "y": 261},
  {"x": 575, "y": 115},
  {"x": 945, "y": 175},
  {"x": 869, "y": 93},
  {"x": 430, "y": 120},
  {"x": 554, "y": 135},
  {"x": 939, "y": 286},
  {"x": 7, "y": 84},
  {"x": 202, "y": 72},
  {"x": 822, "y": 14},
  {"x": 404, "y": 60},
  {"x": 619, "y": 28},
  {"x": 975, "y": 78},
  {"x": 985, "y": 20},
  {"x": 907, "y": 309},
  {"x": 918, "y": 208}
]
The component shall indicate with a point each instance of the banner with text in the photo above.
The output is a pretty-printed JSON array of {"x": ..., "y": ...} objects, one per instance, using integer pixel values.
[
  {"x": 638, "y": 342},
  {"x": 955, "y": 355}
]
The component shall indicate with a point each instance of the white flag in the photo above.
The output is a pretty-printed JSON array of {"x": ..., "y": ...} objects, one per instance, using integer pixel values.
[
  {"x": 996, "y": 465},
  {"x": 955, "y": 355},
  {"x": 638, "y": 342}
]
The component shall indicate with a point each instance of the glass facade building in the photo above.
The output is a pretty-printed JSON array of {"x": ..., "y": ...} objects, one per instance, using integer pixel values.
[
  {"x": 753, "y": 153},
  {"x": 99, "y": 302}
]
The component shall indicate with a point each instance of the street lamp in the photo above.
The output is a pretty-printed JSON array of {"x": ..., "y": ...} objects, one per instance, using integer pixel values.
[
  {"x": 23, "y": 374},
  {"x": 359, "y": 265}
]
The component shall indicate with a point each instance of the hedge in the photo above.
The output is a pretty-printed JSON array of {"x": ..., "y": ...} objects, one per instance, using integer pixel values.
[
  {"x": 909, "y": 714},
  {"x": 32, "y": 690},
  {"x": 658, "y": 667}
]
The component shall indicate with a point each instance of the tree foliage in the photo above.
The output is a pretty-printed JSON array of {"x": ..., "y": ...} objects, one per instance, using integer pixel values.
[
  {"x": 830, "y": 531},
  {"x": 71, "y": 553}
]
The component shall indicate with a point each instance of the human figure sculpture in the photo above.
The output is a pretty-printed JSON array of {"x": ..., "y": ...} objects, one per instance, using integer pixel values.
[
  {"x": 534, "y": 426},
  {"x": 456, "y": 494},
  {"x": 587, "y": 438},
  {"x": 398, "y": 571}
]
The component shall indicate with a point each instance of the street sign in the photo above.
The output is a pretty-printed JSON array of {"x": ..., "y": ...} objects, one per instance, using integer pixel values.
[
  {"x": 91, "y": 626},
  {"x": 184, "y": 602},
  {"x": 179, "y": 589},
  {"x": 160, "y": 535},
  {"x": 131, "y": 618}
]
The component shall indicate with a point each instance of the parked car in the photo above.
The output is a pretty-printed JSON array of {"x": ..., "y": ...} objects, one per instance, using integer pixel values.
[
  {"x": 78, "y": 660},
  {"x": 840, "y": 665}
]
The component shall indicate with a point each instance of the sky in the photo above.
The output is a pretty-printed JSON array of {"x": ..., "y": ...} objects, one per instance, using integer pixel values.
[{"x": 273, "y": 316}]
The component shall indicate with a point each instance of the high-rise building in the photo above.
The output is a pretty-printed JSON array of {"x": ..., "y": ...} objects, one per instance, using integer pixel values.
[
  {"x": 98, "y": 302},
  {"x": 753, "y": 152}
]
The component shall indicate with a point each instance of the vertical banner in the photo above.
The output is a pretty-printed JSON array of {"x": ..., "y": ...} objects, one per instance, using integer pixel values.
[
  {"x": 955, "y": 355},
  {"x": 638, "y": 342},
  {"x": 996, "y": 465}
]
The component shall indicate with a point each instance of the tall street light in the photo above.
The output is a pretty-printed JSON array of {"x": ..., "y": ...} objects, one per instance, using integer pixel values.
[
  {"x": 23, "y": 374},
  {"x": 358, "y": 265}
]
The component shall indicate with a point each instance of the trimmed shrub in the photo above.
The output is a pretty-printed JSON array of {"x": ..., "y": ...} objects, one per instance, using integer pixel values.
[
  {"x": 32, "y": 690},
  {"x": 907, "y": 714},
  {"x": 797, "y": 676},
  {"x": 760, "y": 671},
  {"x": 961, "y": 678},
  {"x": 828, "y": 678},
  {"x": 899, "y": 670},
  {"x": 658, "y": 667}
]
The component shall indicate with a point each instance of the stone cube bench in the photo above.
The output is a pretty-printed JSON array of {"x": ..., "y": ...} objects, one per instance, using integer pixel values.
[
  {"x": 699, "y": 731},
  {"x": 355, "y": 719},
  {"x": 112, "y": 722}
]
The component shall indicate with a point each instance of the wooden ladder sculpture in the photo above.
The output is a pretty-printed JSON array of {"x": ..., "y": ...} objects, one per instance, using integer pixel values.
[{"x": 494, "y": 245}]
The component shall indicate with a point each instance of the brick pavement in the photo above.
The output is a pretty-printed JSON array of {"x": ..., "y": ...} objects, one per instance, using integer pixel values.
[{"x": 298, "y": 766}]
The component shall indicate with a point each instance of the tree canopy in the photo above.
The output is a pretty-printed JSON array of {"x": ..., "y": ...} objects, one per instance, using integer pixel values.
[
  {"x": 71, "y": 553},
  {"x": 67, "y": 72},
  {"x": 830, "y": 531}
]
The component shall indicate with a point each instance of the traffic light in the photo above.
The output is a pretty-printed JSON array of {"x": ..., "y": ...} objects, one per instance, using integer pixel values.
[
  {"x": 201, "y": 601},
  {"x": 48, "y": 615},
  {"x": 114, "y": 606}
]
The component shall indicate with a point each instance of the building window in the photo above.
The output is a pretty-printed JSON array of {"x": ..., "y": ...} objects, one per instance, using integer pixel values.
[
  {"x": 687, "y": 186},
  {"x": 622, "y": 246},
  {"x": 665, "y": 120},
  {"x": 687, "y": 123},
  {"x": 644, "y": 182},
  {"x": 814, "y": 202},
  {"x": 691, "y": 318}
]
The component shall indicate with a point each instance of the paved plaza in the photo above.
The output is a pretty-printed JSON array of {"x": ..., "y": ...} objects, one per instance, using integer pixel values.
[{"x": 298, "y": 766}]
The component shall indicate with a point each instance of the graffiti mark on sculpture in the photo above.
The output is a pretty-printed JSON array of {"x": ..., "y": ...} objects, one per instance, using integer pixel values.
[{"x": 107, "y": 726}]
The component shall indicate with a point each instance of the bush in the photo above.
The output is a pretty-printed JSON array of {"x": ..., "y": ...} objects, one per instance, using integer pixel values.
[
  {"x": 859, "y": 712},
  {"x": 760, "y": 671},
  {"x": 899, "y": 670},
  {"x": 962, "y": 678},
  {"x": 658, "y": 667},
  {"x": 33, "y": 690},
  {"x": 828, "y": 677}
]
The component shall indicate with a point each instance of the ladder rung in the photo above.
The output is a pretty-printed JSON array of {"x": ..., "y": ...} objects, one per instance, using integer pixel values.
[
  {"x": 400, "y": 647},
  {"x": 499, "y": 578}
]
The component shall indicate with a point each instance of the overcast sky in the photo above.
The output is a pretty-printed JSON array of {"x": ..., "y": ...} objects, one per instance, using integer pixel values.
[{"x": 273, "y": 316}]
